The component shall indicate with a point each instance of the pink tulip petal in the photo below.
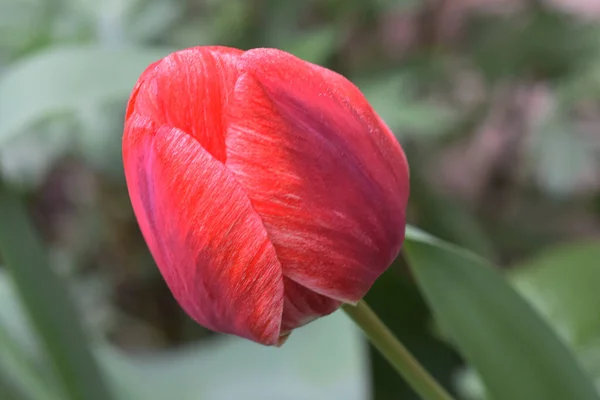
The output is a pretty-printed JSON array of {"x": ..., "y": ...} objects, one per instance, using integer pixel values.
[
  {"x": 327, "y": 177},
  {"x": 210, "y": 245},
  {"x": 301, "y": 306},
  {"x": 189, "y": 90}
]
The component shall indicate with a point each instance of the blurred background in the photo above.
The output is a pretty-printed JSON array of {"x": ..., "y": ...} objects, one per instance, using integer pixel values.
[{"x": 496, "y": 103}]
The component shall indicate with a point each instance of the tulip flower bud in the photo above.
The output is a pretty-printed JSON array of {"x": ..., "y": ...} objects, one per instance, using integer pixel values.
[{"x": 267, "y": 189}]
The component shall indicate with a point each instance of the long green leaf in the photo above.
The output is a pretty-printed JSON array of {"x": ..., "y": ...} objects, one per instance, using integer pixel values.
[
  {"x": 20, "y": 373},
  {"x": 47, "y": 303},
  {"x": 562, "y": 284},
  {"x": 62, "y": 78},
  {"x": 514, "y": 351}
]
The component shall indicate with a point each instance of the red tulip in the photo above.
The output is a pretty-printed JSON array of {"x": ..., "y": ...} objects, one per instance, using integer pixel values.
[{"x": 268, "y": 190}]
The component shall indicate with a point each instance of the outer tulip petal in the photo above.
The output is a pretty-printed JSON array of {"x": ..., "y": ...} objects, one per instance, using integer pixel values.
[
  {"x": 189, "y": 90},
  {"x": 332, "y": 198},
  {"x": 210, "y": 245}
]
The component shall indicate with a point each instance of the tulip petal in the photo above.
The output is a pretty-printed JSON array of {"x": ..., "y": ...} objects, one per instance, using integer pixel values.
[
  {"x": 322, "y": 170},
  {"x": 301, "y": 306},
  {"x": 208, "y": 242},
  {"x": 189, "y": 90}
]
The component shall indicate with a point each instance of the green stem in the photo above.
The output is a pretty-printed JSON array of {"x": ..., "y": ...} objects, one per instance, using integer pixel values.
[{"x": 395, "y": 352}]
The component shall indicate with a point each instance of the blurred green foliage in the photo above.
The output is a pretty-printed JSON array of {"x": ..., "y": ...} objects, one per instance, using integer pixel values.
[{"x": 496, "y": 104}]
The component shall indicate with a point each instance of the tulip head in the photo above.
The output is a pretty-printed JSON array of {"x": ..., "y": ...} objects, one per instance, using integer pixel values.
[{"x": 267, "y": 189}]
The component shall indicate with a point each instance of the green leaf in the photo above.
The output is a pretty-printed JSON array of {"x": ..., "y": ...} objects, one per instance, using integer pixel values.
[
  {"x": 514, "y": 351},
  {"x": 399, "y": 304},
  {"x": 562, "y": 284},
  {"x": 21, "y": 367},
  {"x": 61, "y": 79},
  {"x": 19, "y": 372},
  {"x": 47, "y": 303}
]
